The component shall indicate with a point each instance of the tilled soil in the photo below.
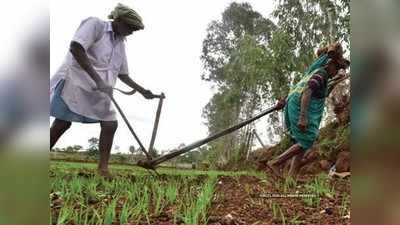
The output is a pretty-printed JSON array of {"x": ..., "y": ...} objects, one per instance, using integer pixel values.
[
  {"x": 247, "y": 200},
  {"x": 250, "y": 200}
]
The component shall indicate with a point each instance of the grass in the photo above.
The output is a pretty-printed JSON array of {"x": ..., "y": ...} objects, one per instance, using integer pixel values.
[
  {"x": 278, "y": 213},
  {"x": 321, "y": 188},
  {"x": 197, "y": 210},
  {"x": 79, "y": 196},
  {"x": 76, "y": 167},
  {"x": 345, "y": 205},
  {"x": 132, "y": 197},
  {"x": 295, "y": 221},
  {"x": 288, "y": 184},
  {"x": 283, "y": 218},
  {"x": 274, "y": 208},
  {"x": 110, "y": 213}
]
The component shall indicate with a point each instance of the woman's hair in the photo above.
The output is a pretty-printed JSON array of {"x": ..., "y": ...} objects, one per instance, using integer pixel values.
[
  {"x": 334, "y": 50},
  {"x": 321, "y": 51}
]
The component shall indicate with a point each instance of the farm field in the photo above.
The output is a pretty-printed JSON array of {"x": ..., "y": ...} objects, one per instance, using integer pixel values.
[{"x": 133, "y": 196}]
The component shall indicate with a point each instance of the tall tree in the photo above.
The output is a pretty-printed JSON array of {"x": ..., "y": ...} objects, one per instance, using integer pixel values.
[
  {"x": 132, "y": 149},
  {"x": 93, "y": 146},
  {"x": 77, "y": 147},
  {"x": 231, "y": 51}
]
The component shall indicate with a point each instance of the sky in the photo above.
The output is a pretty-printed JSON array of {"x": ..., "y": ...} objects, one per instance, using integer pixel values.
[{"x": 164, "y": 57}]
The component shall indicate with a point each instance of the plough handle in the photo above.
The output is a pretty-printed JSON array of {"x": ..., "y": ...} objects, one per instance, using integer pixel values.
[
  {"x": 142, "y": 148},
  {"x": 156, "y": 121}
]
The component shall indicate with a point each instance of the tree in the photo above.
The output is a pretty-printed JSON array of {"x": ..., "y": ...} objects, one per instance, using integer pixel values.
[
  {"x": 56, "y": 150},
  {"x": 238, "y": 20},
  {"x": 93, "y": 146},
  {"x": 77, "y": 147},
  {"x": 153, "y": 153},
  {"x": 233, "y": 53},
  {"x": 190, "y": 157},
  {"x": 132, "y": 149},
  {"x": 70, "y": 149}
]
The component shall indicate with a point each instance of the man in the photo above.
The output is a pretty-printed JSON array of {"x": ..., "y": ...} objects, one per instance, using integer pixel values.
[
  {"x": 305, "y": 103},
  {"x": 81, "y": 88}
]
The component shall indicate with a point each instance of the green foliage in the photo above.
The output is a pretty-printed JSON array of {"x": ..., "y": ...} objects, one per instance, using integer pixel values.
[
  {"x": 154, "y": 153},
  {"x": 64, "y": 216},
  {"x": 132, "y": 149},
  {"x": 110, "y": 213},
  {"x": 121, "y": 158},
  {"x": 238, "y": 20},
  {"x": 289, "y": 183},
  {"x": 319, "y": 187},
  {"x": 327, "y": 143},
  {"x": 197, "y": 212},
  {"x": 233, "y": 57},
  {"x": 344, "y": 206},
  {"x": 190, "y": 157},
  {"x": 283, "y": 218},
  {"x": 70, "y": 149},
  {"x": 171, "y": 193},
  {"x": 132, "y": 196},
  {"x": 275, "y": 209},
  {"x": 343, "y": 136},
  {"x": 77, "y": 147},
  {"x": 124, "y": 215},
  {"x": 93, "y": 146},
  {"x": 295, "y": 221}
]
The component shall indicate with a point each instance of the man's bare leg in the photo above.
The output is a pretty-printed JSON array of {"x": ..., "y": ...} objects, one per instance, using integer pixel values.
[
  {"x": 108, "y": 129},
  {"x": 57, "y": 129}
]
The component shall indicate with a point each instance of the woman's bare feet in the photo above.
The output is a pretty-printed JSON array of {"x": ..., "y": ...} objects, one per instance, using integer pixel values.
[{"x": 270, "y": 166}]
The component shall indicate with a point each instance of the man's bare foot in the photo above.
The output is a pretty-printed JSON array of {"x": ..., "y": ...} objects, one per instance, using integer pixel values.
[{"x": 274, "y": 170}]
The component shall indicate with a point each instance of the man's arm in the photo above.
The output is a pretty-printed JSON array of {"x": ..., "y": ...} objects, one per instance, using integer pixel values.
[
  {"x": 128, "y": 81},
  {"x": 81, "y": 57}
]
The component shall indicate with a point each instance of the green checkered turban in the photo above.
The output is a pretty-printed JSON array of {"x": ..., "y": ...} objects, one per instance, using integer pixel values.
[{"x": 128, "y": 15}]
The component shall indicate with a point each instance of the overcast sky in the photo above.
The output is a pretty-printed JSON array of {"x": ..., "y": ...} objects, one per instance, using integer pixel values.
[{"x": 164, "y": 57}]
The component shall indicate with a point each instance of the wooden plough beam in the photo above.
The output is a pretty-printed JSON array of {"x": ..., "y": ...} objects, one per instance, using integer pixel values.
[{"x": 152, "y": 164}]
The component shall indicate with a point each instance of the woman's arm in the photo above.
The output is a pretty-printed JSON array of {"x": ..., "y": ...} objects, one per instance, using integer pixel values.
[
  {"x": 128, "y": 81},
  {"x": 304, "y": 103},
  {"x": 81, "y": 57}
]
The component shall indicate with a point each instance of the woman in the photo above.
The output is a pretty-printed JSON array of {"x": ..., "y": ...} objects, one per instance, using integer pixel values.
[
  {"x": 80, "y": 90},
  {"x": 304, "y": 106}
]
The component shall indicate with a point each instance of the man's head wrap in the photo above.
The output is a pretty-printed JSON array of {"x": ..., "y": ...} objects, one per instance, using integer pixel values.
[{"x": 128, "y": 15}]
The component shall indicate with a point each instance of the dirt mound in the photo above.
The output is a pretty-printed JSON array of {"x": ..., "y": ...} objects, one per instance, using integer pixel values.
[{"x": 343, "y": 162}]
